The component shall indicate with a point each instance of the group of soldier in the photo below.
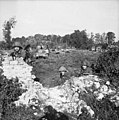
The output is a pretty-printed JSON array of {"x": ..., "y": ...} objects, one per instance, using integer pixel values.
[
  {"x": 85, "y": 69},
  {"x": 27, "y": 52},
  {"x": 19, "y": 51}
]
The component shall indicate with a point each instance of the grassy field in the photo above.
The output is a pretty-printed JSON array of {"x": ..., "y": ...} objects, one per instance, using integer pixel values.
[{"x": 47, "y": 69}]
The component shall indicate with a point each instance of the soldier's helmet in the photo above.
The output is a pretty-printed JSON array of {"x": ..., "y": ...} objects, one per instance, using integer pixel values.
[
  {"x": 17, "y": 44},
  {"x": 63, "y": 69},
  {"x": 27, "y": 47}
]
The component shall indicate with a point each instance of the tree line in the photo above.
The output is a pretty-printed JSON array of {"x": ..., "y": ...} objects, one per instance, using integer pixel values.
[{"x": 78, "y": 39}]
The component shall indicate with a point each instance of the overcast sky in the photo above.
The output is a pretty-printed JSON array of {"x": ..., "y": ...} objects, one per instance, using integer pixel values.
[{"x": 60, "y": 17}]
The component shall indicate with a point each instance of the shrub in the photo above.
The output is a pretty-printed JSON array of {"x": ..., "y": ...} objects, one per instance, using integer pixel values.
[
  {"x": 9, "y": 92},
  {"x": 107, "y": 65},
  {"x": 103, "y": 109}
]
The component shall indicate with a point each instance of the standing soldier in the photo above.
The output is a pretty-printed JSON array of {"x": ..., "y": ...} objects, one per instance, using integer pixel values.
[{"x": 28, "y": 55}]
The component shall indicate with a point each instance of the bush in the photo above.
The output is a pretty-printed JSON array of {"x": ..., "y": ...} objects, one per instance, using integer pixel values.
[
  {"x": 107, "y": 65},
  {"x": 9, "y": 92},
  {"x": 103, "y": 109}
]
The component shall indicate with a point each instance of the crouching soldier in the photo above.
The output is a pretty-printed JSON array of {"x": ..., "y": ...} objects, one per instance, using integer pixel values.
[
  {"x": 62, "y": 71},
  {"x": 16, "y": 50},
  {"x": 86, "y": 68}
]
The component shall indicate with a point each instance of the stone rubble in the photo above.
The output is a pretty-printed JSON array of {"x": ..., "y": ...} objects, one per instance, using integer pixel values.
[{"x": 62, "y": 98}]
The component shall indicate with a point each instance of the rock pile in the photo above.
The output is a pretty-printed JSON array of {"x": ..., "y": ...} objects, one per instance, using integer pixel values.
[
  {"x": 18, "y": 69},
  {"x": 63, "y": 98}
]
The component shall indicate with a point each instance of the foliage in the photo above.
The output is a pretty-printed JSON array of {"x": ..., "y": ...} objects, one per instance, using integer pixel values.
[
  {"x": 7, "y": 26},
  {"x": 9, "y": 92},
  {"x": 107, "y": 65},
  {"x": 97, "y": 38},
  {"x": 116, "y": 43},
  {"x": 3, "y": 45},
  {"x": 110, "y": 37},
  {"x": 21, "y": 113},
  {"x": 52, "y": 114},
  {"x": 90, "y": 43},
  {"x": 104, "y": 37},
  {"x": 78, "y": 39},
  {"x": 103, "y": 109}
]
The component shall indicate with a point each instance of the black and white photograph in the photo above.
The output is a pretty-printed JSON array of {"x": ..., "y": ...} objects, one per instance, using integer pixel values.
[{"x": 59, "y": 59}]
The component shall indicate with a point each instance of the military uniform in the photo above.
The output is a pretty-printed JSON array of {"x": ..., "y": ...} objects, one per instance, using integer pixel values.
[
  {"x": 28, "y": 55},
  {"x": 17, "y": 50},
  {"x": 86, "y": 68}
]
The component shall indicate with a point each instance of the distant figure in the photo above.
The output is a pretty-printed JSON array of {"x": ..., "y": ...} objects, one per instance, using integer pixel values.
[
  {"x": 39, "y": 47},
  {"x": 42, "y": 52},
  {"x": 16, "y": 50},
  {"x": 62, "y": 71},
  {"x": 48, "y": 50},
  {"x": 39, "y": 50}
]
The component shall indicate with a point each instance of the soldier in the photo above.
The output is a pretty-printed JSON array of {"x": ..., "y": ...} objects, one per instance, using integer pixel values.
[
  {"x": 39, "y": 50},
  {"x": 28, "y": 54},
  {"x": 17, "y": 47},
  {"x": 62, "y": 71},
  {"x": 86, "y": 68}
]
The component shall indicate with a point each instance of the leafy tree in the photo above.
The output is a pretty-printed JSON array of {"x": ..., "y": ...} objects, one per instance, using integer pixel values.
[
  {"x": 38, "y": 38},
  {"x": 117, "y": 43},
  {"x": 59, "y": 39},
  {"x": 98, "y": 38},
  {"x": 7, "y": 26},
  {"x": 103, "y": 38},
  {"x": 90, "y": 43},
  {"x": 32, "y": 41},
  {"x": 3, "y": 45},
  {"x": 79, "y": 39},
  {"x": 67, "y": 40},
  {"x": 110, "y": 37}
]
